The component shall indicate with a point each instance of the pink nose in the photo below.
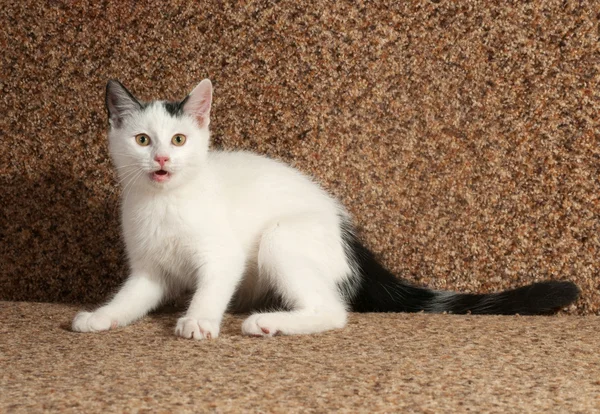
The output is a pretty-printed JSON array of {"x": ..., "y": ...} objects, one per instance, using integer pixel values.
[{"x": 161, "y": 160}]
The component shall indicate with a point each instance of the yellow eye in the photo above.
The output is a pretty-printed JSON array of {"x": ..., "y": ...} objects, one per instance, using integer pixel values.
[
  {"x": 178, "y": 140},
  {"x": 142, "y": 139}
]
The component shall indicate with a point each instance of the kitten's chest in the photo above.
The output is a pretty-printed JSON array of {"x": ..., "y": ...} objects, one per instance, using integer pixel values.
[{"x": 163, "y": 234}]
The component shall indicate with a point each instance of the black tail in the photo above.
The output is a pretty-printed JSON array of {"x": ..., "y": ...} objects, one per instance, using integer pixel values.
[{"x": 378, "y": 290}]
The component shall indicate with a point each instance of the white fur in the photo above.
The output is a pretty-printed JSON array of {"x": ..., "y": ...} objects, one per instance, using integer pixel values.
[{"x": 232, "y": 226}]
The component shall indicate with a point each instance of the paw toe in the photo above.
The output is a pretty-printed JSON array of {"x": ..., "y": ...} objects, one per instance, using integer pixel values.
[
  {"x": 192, "y": 328},
  {"x": 258, "y": 325}
]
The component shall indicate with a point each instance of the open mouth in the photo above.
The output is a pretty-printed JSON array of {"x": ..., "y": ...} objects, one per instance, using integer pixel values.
[{"x": 160, "y": 176}]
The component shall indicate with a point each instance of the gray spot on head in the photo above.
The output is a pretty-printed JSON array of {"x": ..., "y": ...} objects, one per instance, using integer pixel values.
[{"x": 175, "y": 108}]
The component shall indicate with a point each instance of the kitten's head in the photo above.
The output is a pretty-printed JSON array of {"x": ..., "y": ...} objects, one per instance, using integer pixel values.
[{"x": 158, "y": 145}]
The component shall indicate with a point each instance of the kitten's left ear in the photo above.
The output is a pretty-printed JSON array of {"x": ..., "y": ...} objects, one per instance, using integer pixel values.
[
  {"x": 120, "y": 103},
  {"x": 198, "y": 102}
]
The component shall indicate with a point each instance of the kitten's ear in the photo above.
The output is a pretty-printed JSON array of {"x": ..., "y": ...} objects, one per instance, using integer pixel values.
[
  {"x": 197, "y": 104},
  {"x": 119, "y": 103}
]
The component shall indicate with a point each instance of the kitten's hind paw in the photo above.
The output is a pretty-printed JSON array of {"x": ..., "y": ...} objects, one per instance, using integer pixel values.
[
  {"x": 259, "y": 325},
  {"x": 92, "y": 322},
  {"x": 193, "y": 328}
]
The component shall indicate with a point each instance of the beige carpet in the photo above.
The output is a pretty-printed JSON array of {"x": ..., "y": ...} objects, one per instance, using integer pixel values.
[{"x": 380, "y": 362}]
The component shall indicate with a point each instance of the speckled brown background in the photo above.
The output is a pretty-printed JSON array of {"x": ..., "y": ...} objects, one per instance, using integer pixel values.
[{"x": 463, "y": 137}]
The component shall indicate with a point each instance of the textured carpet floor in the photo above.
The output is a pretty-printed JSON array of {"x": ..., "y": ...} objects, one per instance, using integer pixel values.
[
  {"x": 463, "y": 136},
  {"x": 380, "y": 362}
]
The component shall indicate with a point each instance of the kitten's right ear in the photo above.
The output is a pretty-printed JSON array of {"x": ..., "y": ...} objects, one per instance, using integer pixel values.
[
  {"x": 197, "y": 103},
  {"x": 119, "y": 103}
]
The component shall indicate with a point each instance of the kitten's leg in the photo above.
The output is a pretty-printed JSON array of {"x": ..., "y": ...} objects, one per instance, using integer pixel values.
[
  {"x": 217, "y": 280},
  {"x": 139, "y": 295},
  {"x": 303, "y": 259}
]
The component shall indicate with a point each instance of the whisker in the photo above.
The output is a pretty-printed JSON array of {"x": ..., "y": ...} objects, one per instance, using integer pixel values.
[
  {"x": 127, "y": 175},
  {"x": 132, "y": 183},
  {"x": 128, "y": 178}
]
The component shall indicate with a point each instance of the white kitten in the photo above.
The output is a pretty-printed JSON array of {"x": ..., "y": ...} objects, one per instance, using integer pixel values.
[{"x": 245, "y": 232}]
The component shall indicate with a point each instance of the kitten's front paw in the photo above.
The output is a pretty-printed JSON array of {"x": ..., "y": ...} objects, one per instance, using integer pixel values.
[
  {"x": 92, "y": 322},
  {"x": 193, "y": 328}
]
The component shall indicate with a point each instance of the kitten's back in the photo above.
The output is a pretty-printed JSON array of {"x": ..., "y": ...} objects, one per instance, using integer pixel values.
[{"x": 258, "y": 182}]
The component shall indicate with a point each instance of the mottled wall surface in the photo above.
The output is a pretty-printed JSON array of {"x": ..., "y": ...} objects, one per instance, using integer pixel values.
[{"x": 463, "y": 137}]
